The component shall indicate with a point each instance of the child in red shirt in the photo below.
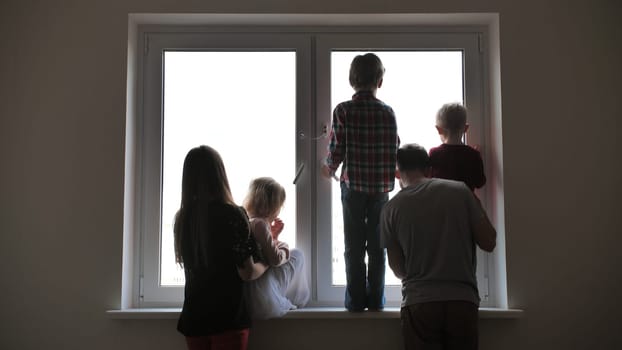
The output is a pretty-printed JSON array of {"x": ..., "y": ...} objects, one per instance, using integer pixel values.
[{"x": 453, "y": 159}]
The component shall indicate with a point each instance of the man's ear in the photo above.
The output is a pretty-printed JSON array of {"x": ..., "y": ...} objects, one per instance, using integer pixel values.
[
  {"x": 397, "y": 174},
  {"x": 440, "y": 130},
  {"x": 466, "y": 127},
  {"x": 380, "y": 83}
]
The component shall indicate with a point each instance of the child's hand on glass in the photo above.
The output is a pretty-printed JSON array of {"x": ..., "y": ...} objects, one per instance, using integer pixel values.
[{"x": 276, "y": 227}]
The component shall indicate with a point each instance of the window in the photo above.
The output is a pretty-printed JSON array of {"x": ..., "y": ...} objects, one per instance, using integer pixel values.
[
  {"x": 213, "y": 97},
  {"x": 236, "y": 93},
  {"x": 418, "y": 82},
  {"x": 423, "y": 71},
  {"x": 263, "y": 98}
]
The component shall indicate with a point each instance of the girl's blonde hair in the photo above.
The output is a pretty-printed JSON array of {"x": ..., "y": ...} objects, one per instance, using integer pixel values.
[{"x": 265, "y": 198}]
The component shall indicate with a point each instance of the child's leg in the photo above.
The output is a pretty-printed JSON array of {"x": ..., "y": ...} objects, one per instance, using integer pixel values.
[
  {"x": 298, "y": 288},
  {"x": 290, "y": 279},
  {"x": 266, "y": 295},
  {"x": 375, "y": 252},
  {"x": 354, "y": 238}
]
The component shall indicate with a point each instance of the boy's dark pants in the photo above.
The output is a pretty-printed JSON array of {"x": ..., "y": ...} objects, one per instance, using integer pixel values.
[
  {"x": 361, "y": 216},
  {"x": 440, "y": 325}
]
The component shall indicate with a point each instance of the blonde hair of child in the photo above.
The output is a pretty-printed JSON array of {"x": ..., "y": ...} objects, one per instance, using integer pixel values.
[
  {"x": 265, "y": 198},
  {"x": 452, "y": 117}
]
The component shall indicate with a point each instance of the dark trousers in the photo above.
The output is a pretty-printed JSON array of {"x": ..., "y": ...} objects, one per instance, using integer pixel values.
[
  {"x": 440, "y": 325},
  {"x": 361, "y": 215},
  {"x": 230, "y": 340}
]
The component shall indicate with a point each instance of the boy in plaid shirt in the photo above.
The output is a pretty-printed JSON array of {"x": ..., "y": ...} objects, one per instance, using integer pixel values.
[{"x": 364, "y": 138}]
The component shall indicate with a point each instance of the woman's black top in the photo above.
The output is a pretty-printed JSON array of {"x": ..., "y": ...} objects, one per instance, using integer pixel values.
[{"x": 214, "y": 300}]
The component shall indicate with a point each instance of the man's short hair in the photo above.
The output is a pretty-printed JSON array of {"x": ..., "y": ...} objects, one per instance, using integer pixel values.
[
  {"x": 452, "y": 117},
  {"x": 366, "y": 71},
  {"x": 412, "y": 157}
]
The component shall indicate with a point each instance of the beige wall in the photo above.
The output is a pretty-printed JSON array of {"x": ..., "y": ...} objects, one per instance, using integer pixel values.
[{"x": 62, "y": 120}]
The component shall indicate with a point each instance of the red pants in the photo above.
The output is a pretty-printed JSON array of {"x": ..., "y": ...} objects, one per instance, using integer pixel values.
[
  {"x": 444, "y": 325},
  {"x": 231, "y": 340}
]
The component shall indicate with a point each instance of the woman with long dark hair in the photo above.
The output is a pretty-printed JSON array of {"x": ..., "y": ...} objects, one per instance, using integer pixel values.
[{"x": 214, "y": 246}]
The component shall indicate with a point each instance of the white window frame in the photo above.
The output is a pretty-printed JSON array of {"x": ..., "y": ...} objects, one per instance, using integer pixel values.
[{"x": 312, "y": 45}]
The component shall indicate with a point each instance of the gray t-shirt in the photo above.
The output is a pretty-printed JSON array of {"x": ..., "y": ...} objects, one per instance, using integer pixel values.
[{"x": 431, "y": 222}]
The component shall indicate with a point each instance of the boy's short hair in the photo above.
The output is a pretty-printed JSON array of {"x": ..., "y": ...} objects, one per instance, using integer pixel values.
[
  {"x": 412, "y": 157},
  {"x": 452, "y": 116},
  {"x": 366, "y": 71}
]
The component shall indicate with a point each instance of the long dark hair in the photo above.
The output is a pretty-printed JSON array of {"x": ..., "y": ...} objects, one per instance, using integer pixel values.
[{"x": 204, "y": 180}]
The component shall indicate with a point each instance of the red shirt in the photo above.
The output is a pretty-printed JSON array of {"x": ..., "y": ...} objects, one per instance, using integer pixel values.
[{"x": 459, "y": 163}]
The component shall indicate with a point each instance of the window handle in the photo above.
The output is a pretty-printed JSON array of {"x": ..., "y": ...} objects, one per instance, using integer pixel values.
[{"x": 298, "y": 172}]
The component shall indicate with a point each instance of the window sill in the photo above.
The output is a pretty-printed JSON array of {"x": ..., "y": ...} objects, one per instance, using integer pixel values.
[{"x": 319, "y": 313}]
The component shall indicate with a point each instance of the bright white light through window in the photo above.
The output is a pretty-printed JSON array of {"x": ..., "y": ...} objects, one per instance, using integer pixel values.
[
  {"x": 416, "y": 84},
  {"x": 243, "y": 104}
]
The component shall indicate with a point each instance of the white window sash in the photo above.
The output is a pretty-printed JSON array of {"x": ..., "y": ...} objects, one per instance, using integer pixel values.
[
  {"x": 313, "y": 47},
  {"x": 468, "y": 42},
  {"x": 150, "y": 292}
]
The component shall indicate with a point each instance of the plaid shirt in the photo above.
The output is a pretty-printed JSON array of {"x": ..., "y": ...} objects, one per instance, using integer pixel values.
[{"x": 364, "y": 137}]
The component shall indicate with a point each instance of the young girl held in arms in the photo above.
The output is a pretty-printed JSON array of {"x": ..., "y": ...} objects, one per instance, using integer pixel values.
[{"x": 284, "y": 286}]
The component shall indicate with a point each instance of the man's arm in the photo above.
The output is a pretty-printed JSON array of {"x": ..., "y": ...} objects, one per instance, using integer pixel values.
[
  {"x": 395, "y": 254},
  {"x": 396, "y": 259},
  {"x": 485, "y": 234}
]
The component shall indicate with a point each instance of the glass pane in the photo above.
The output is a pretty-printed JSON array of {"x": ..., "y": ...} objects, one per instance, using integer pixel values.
[
  {"x": 243, "y": 104},
  {"x": 416, "y": 84}
]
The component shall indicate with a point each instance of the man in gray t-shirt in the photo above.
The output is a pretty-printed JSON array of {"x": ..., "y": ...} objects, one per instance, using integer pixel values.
[{"x": 430, "y": 229}]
